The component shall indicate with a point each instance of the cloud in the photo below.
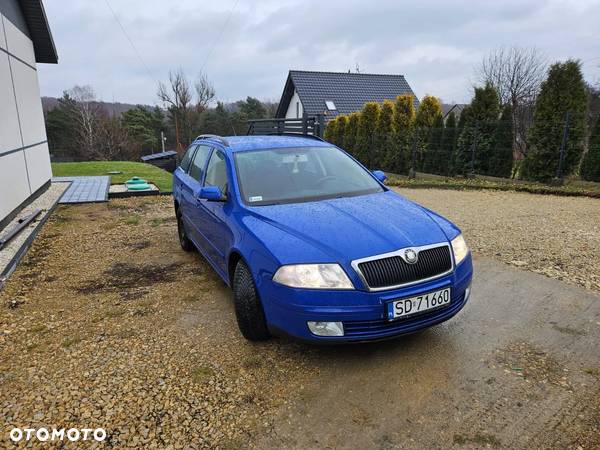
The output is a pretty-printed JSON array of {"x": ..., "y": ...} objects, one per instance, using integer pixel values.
[{"x": 435, "y": 44}]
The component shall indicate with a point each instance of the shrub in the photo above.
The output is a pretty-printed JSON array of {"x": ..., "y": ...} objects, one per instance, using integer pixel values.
[
  {"x": 428, "y": 114},
  {"x": 403, "y": 122},
  {"x": 475, "y": 142},
  {"x": 330, "y": 133},
  {"x": 384, "y": 143},
  {"x": 590, "y": 168},
  {"x": 501, "y": 161},
  {"x": 340, "y": 130},
  {"x": 563, "y": 91},
  {"x": 366, "y": 130},
  {"x": 350, "y": 133}
]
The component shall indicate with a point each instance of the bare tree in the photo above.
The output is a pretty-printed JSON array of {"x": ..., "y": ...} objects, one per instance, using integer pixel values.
[
  {"x": 205, "y": 92},
  {"x": 88, "y": 113},
  {"x": 517, "y": 74},
  {"x": 177, "y": 97}
]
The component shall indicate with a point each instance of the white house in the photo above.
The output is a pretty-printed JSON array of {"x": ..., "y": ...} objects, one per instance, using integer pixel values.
[{"x": 25, "y": 40}]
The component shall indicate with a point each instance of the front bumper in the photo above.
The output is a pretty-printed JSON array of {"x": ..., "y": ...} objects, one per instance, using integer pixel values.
[{"x": 363, "y": 313}]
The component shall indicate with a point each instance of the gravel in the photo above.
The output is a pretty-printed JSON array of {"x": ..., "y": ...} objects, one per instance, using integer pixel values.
[
  {"x": 108, "y": 323},
  {"x": 556, "y": 236}
]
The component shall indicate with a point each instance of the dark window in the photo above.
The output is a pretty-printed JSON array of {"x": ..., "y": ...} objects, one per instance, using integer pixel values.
[
  {"x": 197, "y": 166},
  {"x": 216, "y": 172},
  {"x": 187, "y": 158}
]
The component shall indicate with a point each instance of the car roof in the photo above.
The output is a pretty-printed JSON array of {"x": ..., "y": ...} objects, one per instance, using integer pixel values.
[{"x": 245, "y": 143}]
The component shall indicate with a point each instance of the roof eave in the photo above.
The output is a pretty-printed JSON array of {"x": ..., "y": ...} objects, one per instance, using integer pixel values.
[{"x": 39, "y": 31}]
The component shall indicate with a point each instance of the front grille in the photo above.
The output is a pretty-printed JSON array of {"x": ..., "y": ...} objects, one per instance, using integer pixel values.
[{"x": 394, "y": 271}]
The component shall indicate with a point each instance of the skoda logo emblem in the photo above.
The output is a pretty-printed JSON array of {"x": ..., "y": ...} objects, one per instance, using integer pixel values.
[{"x": 410, "y": 256}]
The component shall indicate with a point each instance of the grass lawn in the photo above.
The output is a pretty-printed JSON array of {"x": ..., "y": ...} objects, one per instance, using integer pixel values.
[{"x": 159, "y": 177}]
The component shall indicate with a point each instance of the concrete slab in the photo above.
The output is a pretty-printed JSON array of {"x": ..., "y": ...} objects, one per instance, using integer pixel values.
[
  {"x": 85, "y": 189},
  {"x": 519, "y": 367}
]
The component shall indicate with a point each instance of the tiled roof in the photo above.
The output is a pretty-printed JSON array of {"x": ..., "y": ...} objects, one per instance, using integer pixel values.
[{"x": 349, "y": 91}]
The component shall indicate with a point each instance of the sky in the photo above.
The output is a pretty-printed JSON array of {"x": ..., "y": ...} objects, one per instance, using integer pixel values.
[{"x": 246, "y": 47}]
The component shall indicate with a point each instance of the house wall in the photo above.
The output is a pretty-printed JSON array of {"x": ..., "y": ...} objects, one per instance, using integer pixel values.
[
  {"x": 291, "y": 111},
  {"x": 24, "y": 155}
]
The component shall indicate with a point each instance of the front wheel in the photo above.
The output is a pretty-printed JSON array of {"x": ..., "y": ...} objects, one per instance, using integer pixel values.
[
  {"x": 248, "y": 309},
  {"x": 185, "y": 242}
]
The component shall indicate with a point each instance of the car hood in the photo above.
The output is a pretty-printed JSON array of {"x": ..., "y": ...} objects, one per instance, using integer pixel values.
[{"x": 344, "y": 229}]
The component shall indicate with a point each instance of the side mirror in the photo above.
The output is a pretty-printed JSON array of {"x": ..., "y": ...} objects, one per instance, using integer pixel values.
[
  {"x": 210, "y": 193},
  {"x": 380, "y": 175}
]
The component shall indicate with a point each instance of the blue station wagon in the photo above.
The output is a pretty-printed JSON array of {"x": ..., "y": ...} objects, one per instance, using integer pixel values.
[{"x": 314, "y": 245}]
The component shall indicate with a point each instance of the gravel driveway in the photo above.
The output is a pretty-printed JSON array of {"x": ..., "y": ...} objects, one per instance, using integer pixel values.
[
  {"x": 107, "y": 323},
  {"x": 556, "y": 236}
]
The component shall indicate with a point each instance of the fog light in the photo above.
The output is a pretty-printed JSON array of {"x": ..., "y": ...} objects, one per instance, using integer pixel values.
[
  {"x": 326, "y": 328},
  {"x": 467, "y": 293}
]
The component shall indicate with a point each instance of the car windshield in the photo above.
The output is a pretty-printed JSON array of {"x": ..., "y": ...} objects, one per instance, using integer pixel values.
[{"x": 290, "y": 175}]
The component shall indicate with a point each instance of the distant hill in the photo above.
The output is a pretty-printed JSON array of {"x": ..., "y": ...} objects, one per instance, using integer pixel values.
[{"x": 49, "y": 103}]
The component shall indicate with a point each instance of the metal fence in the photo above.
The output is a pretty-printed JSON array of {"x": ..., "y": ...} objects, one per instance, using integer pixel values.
[{"x": 484, "y": 148}]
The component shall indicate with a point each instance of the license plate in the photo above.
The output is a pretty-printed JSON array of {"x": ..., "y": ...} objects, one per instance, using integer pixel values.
[{"x": 413, "y": 305}]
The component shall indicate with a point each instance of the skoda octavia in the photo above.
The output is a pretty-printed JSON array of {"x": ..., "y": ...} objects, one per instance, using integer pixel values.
[{"x": 314, "y": 245}]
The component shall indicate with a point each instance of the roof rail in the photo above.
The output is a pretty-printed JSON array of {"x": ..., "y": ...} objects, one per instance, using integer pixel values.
[
  {"x": 291, "y": 133},
  {"x": 215, "y": 137}
]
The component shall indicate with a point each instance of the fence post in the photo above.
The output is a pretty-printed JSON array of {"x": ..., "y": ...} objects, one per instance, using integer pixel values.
[
  {"x": 563, "y": 144},
  {"x": 412, "y": 173},
  {"x": 473, "y": 150}
]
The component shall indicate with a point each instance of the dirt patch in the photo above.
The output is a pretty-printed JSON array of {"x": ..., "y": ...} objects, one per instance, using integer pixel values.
[
  {"x": 122, "y": 276},
  {"x": 533, "y": 365}
]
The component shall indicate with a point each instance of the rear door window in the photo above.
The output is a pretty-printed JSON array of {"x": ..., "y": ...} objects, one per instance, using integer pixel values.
[
  {"x": 199, "y": 162},
  {"x": 187, "y": 158}
]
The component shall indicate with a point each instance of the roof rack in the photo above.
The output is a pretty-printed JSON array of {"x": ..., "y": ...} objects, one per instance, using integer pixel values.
[
  {"x": 308, "y": 126},
  {"x": 291, "y": 133},
  {"x": 215, "y": 137}
]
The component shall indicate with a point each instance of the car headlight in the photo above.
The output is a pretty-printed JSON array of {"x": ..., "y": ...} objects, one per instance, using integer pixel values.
[
  {"x": 313, "y": 276},
  {"x": 459, "y": 248}
]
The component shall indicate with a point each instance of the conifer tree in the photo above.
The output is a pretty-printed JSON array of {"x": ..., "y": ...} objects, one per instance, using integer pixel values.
[
  {"x": 403, "y": 123},
  {"x": 563, "y": 92},
  {"x": 340, "y": 130},
  {"x": 349, "y": 143},
  {"x": 474, "y": 148},
  {"x": 590, "y": 167},
  {"x": 330, "y": 133},
  {"x": 366, "y": 130},
  {"x": 501, "y": 161},
  {"x": 428, "y": 115},
  {"x": 384, "y": 139}
]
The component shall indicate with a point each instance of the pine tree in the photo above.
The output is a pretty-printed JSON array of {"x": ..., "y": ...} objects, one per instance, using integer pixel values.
[
  {"x": 330, "y": 134},
  {"x": 404, "y": 119},
  {"x": 349, "y": 143},
  {"x": 448, "y": 144},
  {"x": 384, "y": 139},
  {"x": 366, "y": 131},
  {"x": 340, "y": 130},
  {"x": 590, "y": 167},
  {"x": 563, "y": 91},
  {"x": 61, "y": 128},
  {"x": 501, "y": 161},
  {"x": 428, "y": 115},
  {"x": 474, "y": 148},
  {"x": 434, "y": 153}
]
